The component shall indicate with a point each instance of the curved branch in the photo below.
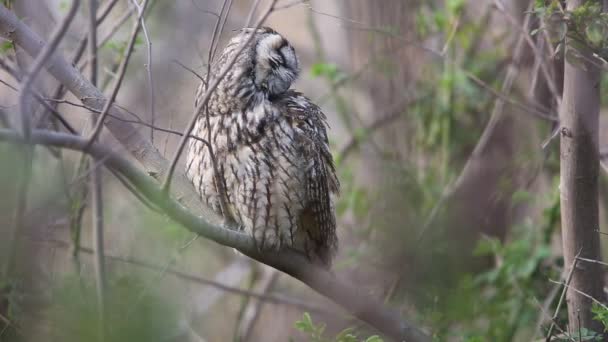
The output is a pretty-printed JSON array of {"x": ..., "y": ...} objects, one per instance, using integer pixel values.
[{"x": 355, "y": 301}]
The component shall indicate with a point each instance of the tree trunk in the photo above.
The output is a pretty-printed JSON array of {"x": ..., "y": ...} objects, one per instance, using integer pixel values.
[{"x": 579, "y": 187}]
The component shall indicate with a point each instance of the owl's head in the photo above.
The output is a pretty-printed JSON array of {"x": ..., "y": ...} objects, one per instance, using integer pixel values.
[{"x": 275, "y": 64}]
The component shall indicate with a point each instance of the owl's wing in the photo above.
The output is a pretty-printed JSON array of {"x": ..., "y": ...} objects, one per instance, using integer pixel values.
[{"x": 317, "y": 218}]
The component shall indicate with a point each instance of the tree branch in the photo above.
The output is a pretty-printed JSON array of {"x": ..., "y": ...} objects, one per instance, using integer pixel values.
[{"x": 355, "y": 301}]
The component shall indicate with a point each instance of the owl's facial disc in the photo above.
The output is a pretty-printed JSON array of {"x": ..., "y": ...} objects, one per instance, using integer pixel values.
[{"x": 276, "y": 65}]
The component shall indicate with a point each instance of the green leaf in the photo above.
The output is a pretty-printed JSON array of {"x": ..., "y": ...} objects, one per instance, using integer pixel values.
[
  {"x": 521, "y": 196},
  {"x": 5, "y": 47},
  {"x": 595, "y": 31},
  {"x": 328, "y": 70},
  {"x": 305, "y": 325},
  {"x": 487, "y": 246}
]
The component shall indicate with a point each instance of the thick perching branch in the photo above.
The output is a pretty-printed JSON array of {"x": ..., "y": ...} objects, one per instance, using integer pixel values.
[{"x": 356, "y": 302}]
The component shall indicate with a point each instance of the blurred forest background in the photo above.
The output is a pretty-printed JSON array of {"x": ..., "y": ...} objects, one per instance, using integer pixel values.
[{"x": 445, "y": 131}]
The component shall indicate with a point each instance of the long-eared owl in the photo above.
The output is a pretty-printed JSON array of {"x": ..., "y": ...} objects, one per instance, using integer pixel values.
[{"x": 271, "y": 149}]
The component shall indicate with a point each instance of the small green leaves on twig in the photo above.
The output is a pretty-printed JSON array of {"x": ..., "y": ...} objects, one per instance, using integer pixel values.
[{"x": 585, "y": 27}]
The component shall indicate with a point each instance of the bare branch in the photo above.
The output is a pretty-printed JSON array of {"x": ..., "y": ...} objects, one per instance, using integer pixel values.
[
  {"x": 96, "y": 189},
  {"x": 121, "y": 74},
  {"x": 92, "y": 41},
  {"x": 563, "y": 295},
  {"x": 100, "y": 274},
  {"x": 39, "y": 63},
  {"x": 537, "y": 54},
  {"x": 42, "y": 58},
  {"x": 117, "y": 25},
  {"x": 60, "y": 89},
  {"x": 151, "y": 98},
  {"x": 254, "y": 7},
  {"x": 273, "y": 298},
  {"x": 297, "y": 265},
  {"x": 217, "y": 30}
]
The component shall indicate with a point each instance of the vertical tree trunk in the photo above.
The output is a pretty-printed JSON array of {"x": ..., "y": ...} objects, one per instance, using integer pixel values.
[{"x": 579, "y": 187}]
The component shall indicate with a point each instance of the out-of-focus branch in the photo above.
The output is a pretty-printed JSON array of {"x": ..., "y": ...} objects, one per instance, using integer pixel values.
[
  {"x": 121, "y": 74},
  {"x": 60, "y": 89},
  {"x": 274, "y": 298},
  {"x": 96, "y": 189},
  {"x": 25, "y": 111},
  {"x": 151, "y": 98},
  {"x": 355, "y": 301},
  {"x": 217, "y": 31},
  {"x": 498, "y": 4}
]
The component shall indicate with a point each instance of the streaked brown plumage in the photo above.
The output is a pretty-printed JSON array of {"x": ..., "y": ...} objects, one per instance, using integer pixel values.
[{"x": 271, "y": 149}]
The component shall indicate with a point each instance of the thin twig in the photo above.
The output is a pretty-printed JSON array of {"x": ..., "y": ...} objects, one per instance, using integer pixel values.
[
  {"x": 92, "y": 41},
  {"x": 138, "y": 120},
  {"x": 151, "y": 98},
  {"x": 11, "y": 71},
  {"x": 117, "y": 25},
  {"x": 105, "y": 11},
  {"x": 39, "y": 63},
  {"x": 563, "y": 295},
  {"x": 96, "y": 191},
  {"x": 26, "y": 114},
  {"x": 121, "y": 74},
  {"x": 100, "y": 274},
  {"x": 254, "y": 7},
  {"x": 217, "y": 177},
  {"x": 182, "y": 144},
  {"x": 586, "y": 295},
  {"x": 382, "y": 121},
  {"x": 537, "y": 54},
  {"x": 199, "y": 280},
  {"x": 60, "y": 89},
  {"x": 191, "y": 71},
  {"x": 252, "y": 309},
  {"x": 217, "y": 32}
]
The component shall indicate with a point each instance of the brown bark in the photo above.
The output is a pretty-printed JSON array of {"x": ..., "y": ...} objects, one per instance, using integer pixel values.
[{"x": 579, "y": 187}]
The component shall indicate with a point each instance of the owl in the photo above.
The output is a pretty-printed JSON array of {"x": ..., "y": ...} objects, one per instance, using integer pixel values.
[{"x": 271, "y": 149}]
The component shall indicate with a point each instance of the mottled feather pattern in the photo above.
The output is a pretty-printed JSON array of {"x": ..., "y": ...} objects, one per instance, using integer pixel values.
[{"x": 271, "y": 149}]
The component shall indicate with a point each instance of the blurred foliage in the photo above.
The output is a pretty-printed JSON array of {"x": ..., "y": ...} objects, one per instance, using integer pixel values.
[
  {"x": 133, "y": 312},
  {"x": 316, "y": 332},
  {"x": 503, "y": 303},
  {"x": 586, "y": 27},
  {"x": 404, "y": 219},
  {"x": 600, "y": 313}
]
